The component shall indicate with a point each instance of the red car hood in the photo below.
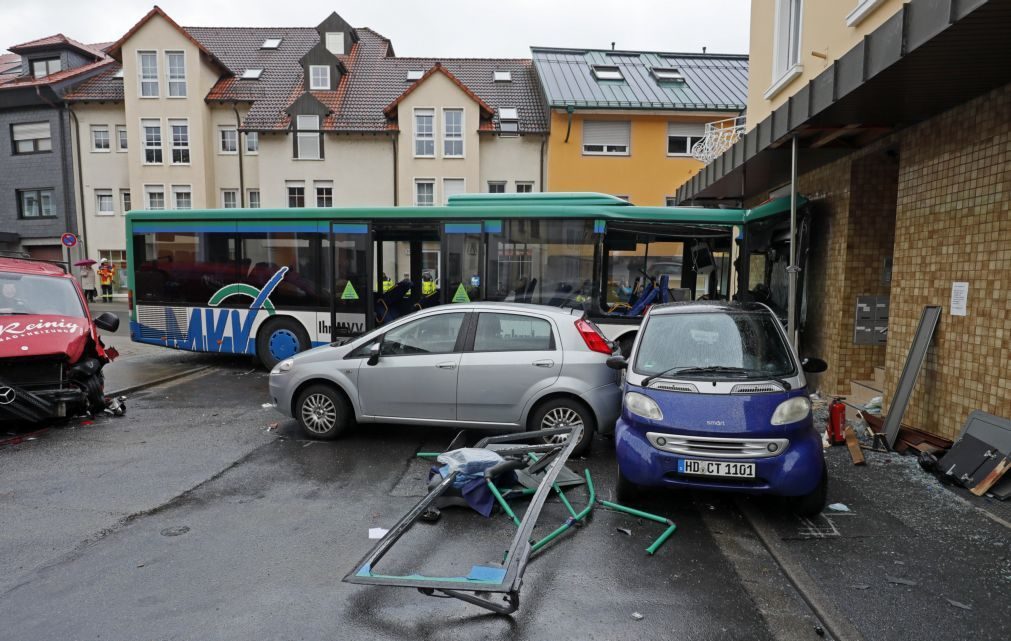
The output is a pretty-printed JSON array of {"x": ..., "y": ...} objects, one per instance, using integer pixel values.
[{"x": 43, "y": 334}]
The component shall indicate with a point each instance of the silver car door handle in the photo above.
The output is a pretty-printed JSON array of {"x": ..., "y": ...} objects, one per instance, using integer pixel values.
[
  {"x": 544, "y": 363},
  {"x": 446, "y": 365}
]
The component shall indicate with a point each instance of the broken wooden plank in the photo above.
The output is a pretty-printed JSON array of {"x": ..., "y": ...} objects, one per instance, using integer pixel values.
[
  {"x": 854, "y": 447},
  {"x": 991, "y": 479}
]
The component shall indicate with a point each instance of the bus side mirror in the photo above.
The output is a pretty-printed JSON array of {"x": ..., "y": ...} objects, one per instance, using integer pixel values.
[
  {"x": 617, "y": 362},
  {"x": 107, "y": 321},
  {"x": 374, "y": 350},
  {"x": 813, "y": 365}
]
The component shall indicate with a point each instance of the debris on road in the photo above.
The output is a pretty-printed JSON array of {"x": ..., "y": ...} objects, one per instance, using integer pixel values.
[
  {"x": 625, "y": 531},
  {"x": 860, "y": 586},
  {"x": 838, "y": 507},
  {"x": 377, "y": 532},
  {"x": 175, "y": 531},
  {"x": 267, "y": 406},
  {"x": 854, "y": 447},
  {"x": 899, "y": 580},
  {"x": 957, "y": 604},
  {"x": 637, "y": 616}
]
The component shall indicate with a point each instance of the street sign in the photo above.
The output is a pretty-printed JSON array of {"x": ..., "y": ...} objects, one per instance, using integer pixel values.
[{"x": 68, "y": 240}]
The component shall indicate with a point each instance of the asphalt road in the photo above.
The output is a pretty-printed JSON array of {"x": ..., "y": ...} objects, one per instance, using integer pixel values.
[{"x": 190, "y": 519}]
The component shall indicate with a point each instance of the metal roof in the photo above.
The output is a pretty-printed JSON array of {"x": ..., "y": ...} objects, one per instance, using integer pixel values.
[{"x": 712, "y": 82}]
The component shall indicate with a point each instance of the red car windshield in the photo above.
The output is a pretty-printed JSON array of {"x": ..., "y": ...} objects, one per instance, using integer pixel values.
[{"x": 38, "y": 295}]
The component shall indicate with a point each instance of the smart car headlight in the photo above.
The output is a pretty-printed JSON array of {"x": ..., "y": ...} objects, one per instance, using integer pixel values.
[
  {"x": 282, "y": 367},
  {"x": 642, "y": 405},
  {"x": 791, "y": 411}
]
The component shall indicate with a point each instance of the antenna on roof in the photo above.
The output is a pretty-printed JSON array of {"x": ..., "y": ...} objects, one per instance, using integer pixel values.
[{"x": 612, "y": 46}]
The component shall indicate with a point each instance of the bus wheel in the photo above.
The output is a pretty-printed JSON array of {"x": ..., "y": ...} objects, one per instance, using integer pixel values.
[{"x": 278, "y": 339}]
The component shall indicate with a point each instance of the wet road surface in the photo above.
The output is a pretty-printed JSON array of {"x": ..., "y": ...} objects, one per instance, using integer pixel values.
[{"x": 190, "y": 519}]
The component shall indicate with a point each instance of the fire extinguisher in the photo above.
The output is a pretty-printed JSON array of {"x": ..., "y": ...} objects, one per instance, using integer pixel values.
[{"x": 836, "y": 421}]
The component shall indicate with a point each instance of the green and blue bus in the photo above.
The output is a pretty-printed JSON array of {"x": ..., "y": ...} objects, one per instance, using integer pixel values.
[{"x": 273, "y": 282}]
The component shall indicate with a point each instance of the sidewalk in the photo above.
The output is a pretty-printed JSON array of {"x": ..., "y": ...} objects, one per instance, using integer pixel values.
[
  {"x": 139, "y": 364},
  {"x": 911, "y": 558}
]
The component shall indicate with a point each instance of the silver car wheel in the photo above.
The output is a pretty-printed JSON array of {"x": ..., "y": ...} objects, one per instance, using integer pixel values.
[
  {"x": 319, "y": 414},
  {"x": 560, "y": 417}
]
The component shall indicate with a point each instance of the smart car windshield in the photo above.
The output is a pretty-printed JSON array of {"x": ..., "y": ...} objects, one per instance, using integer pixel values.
[
  {"x": 716, "y": 344},
  {"x": 26, "y": 294}
]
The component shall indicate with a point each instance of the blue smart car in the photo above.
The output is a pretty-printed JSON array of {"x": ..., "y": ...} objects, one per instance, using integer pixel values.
[{"x": 715, "y": 398}]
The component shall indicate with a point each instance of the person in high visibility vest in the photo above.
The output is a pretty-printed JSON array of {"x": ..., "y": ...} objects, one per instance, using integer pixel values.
[
  {"x": 106, "y": 274},
  {"x": 427, "y": 285}
]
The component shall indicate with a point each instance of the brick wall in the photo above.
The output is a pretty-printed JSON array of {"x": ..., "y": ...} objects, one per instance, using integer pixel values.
[{"x": 953, "y": 223}]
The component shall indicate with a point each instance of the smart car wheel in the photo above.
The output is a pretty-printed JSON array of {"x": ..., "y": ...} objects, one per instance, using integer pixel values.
[
  {"x": 564, "y": 412},
  {"x": 278, "y": 339},
  {"x": 811, "y": 504},
  {"x": 322, "y": 412}
]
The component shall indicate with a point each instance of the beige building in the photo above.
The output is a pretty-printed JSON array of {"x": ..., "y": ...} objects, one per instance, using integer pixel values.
[
  {"x": 209, "y": 117},
  {"x": 900, "y": 113}
]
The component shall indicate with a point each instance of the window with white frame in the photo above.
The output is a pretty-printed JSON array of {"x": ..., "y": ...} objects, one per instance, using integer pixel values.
[
  {"x": 252, "y": 142},
  {"x": 308, "y": 138},
  {"x": 786, "y": 48},
  {"x": 452, "y": 133},
  {"x": 180, "y": 132},
  {"x": 452, "y": 187},
  {"x": 100, "y": 138},
  {"x": 229, "y": 198},
  {"x": 424, "y": 192},
  {"x": 606, "y": 137},
  {"x": 524, "y": 187},
  {"x": 502, "y": 76},
  {"x": 125, "y": 200},
  {"x": 228, "y": 140},
  {"x": 252, "y": 74},
  {"x": 154, "y": 196},
  {"x": 147, "y": 64},
  {"x": 31, "y": 137},
  {"x": 509, "y": 120},
  {"x": 335, "y": 42},
  {"x": 121, "y": 138},
  {"x": 414, "y": 74},
  {"x": 319, "y": 77},
  {"x": 424, "y": 133},
  {"x": 605, "y": 72},
  {"x": 496, "y": 186},
  {"x": 324, "y": 193},
  {"x": 681, "y": 137},
  {"x": 152, "y": 141},
  {"x": 253, "y": 198},
  {"x": 175, "y": 65},
  {"x": 103, "y": 202},
  {"x": 182, "y": 197},
  {"x": 296, "y": 194},
  {"x": 271, "y": 43}
]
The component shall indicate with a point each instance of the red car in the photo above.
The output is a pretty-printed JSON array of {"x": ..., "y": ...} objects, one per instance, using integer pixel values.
[{"x": 51, "y": 355}]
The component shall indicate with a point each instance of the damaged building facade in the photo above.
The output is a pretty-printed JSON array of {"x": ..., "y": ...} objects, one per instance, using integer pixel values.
[{"x": 902, "y": 143}]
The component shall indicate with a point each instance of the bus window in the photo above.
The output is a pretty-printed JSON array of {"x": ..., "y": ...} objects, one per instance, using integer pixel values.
[
  {"x": 463, "y": 262},
  {"x": 547, "y": 262},
  {"x": 262, "y": 255},
  {"x": 629, "y": 254},
  {"x": 183, "y": 267}
]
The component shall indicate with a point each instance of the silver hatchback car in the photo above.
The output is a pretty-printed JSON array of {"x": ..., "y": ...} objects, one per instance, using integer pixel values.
[{"x": 497, "y": 366}]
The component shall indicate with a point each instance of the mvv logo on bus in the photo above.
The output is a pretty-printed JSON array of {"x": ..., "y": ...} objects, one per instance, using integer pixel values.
[{"x": 207, "y": 327}]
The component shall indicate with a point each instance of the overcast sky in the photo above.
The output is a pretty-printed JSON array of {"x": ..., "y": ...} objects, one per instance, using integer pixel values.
[{"x": 500, "y": 28}]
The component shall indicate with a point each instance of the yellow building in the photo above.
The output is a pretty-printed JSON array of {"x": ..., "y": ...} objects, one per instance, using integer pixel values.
[
  {"x": 625, "y": 122},
  {"x": 899, "y": 112}
]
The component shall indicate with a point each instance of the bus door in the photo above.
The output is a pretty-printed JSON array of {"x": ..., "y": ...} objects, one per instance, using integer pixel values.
[
  {"x": 351, "y": 294},
  {"x": 407, "y": 260},
  {"x": 463, "y": 266}
]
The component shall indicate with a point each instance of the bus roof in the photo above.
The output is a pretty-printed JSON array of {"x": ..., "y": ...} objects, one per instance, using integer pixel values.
[{"x": 493, "y": 206}]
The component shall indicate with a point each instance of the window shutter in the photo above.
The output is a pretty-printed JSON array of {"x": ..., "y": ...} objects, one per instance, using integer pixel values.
[
  {"x": 606, "y": 132},
  {"x": 685, "y": 129},
  {"x": 31, "y": 131}
]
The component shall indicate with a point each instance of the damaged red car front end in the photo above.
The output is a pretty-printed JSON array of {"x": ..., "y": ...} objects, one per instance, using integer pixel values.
[{"x": 51, "y": 354}]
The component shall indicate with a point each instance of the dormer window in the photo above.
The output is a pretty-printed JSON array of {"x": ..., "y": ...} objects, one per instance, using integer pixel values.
[
  {"x": 43, "y": 68},
  {"x": 118, "y": 74},
  {"x": 668, "y": 75},
  {"x": 271, "y": 43},
  {"x": 509, "y": 120},
  {"x": 335, "y": 42},
  {"x": 319, "y": 77},
  {"x": 414, "y": 74},
  {"x": 502, "y": 76},
  {"x": 602, "y": 72},
  {"x": 252, "y": 74}
]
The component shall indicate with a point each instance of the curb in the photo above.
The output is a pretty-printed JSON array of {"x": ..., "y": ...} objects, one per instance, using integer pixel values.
[
  {"x": 834, "y": 621},
  {"x": 158, "y": 381}
]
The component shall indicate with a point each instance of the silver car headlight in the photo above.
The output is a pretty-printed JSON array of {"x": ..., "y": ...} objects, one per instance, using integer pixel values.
[
  {"x": 642, "y": 405},
  {"x": 791, "y": 411},
  {"x": 282, "y": 367}
]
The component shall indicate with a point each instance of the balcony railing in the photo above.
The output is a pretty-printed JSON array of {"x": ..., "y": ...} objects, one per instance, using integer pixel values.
[{"x": 720, "y": 136}]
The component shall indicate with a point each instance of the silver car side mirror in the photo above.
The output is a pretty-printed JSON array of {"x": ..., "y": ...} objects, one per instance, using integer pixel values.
[{"x": 374, "y": 351}]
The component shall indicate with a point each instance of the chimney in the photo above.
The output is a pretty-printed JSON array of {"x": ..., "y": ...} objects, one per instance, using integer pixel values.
[
  {"x": 703, "y": 50},
  {"x": 612, "y": 46}
]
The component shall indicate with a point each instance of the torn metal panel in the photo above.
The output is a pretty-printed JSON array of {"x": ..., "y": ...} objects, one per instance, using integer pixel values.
[{"x": 907, "y": 380}]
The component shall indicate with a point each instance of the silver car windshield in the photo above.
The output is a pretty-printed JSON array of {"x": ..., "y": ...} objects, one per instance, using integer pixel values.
[
  {"x": 27, "y": 294},
  {"x": 708, "y": 344}
]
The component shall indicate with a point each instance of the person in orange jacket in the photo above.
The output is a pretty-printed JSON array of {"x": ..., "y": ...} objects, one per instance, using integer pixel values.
[{"x": 106, "y": 274}]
